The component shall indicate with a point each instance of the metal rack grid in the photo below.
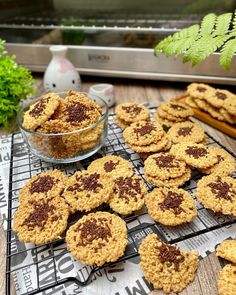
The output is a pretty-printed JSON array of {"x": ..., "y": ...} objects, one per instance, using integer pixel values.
[{"x": 24, "y": 165}]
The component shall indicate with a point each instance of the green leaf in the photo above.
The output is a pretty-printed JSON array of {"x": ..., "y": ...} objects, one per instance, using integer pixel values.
[
  {"x": 208, "y": 24},
  {"x": 227, "y": 53},
  {"x": 222, "y": 24}
]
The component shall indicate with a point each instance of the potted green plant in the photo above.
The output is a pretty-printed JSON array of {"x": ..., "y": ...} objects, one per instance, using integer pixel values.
[
  {"x": 197, "y": 42},
  {"x": 16, "y": 83}
]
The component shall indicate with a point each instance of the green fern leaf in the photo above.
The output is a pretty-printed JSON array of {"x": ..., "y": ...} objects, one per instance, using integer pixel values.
[
  {"x": 234, "y": 21},
  {"x": 222, "y": 24},
  {"x": 227, "y": 53},
  {"x": 208, "y": 24}
]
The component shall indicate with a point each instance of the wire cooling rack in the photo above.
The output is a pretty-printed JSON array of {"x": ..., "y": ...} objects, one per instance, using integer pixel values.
[{"x": 24, "y": 258}]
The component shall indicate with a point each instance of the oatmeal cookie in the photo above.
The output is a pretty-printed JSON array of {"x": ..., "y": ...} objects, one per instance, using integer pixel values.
[
  {"x": 225, "y": 164},
  {"x": 177, "y": 109},
  {"x": 86, "y": 190},
  {"x": 46, "y": 185},
  {"x": 41, "y": 111},
  {"x": 165, "y": 266},
  {"x": 227, "y": 116},
  {"x": 218, "y": 193},
  {"x": 128, "y": 193},
  {"x": 227, "y": 250},
  {"x": 41, "y": 220},
  {"x": 194, "y": 154},
  {"x": 168, "y": 116},
  {"x": 121, "y": 123},
  {"x": 170, "y": 206},
  {"x": 189, "y": 100},
  {"x": 97, "y": 238},
  {"x": 227, "y": 280},
  {"x": 199, "y": 90},
  {"x": 132, "y": 112},
  {"x": 186, "y": 132},
  {"x": 164, "y": 122},
  {"x": 205, "y": 106},
  {"x": 230, "y": 105},
  {"x": 217, "y": 97}
]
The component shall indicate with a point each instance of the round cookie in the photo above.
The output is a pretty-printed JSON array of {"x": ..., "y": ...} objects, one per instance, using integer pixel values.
[
  {"x": 86, "y": 190},
  {"x": 217, "y": 97},
  {"x": 227, "y": 280},
  {"x": 121, "y": 123},
  {"x": 177, "y": 109},
  {"x": 128, "y": 193},
  {"x": 166, "y": 266},
  {"x": 110, "y": 165},
  {"x": 191, "y": 102},
  {"x": 218, "y": 193},
  {"x": 227, "y": 250},
  {"x": 170, "y": 181},
  {"x": 40, "y": 220},
  {"x": 199, "y": 90},
  {"x": 167, "y": 116},
  {"x": 230, "y": 105},
  {"x": 170, "y": 206},
  {"x": 164, "y": 122},
  {"x": 194, "y": 154},
  {"x": 143, "y": 133},
  {"x": 164, "y": 166},
  {"x": 227, "y": 116},
  {"x": 41, "y": 111},
  {"x": 225, "y": 164},
  {"x": 153, "y": 147},
  {"x": 97, "y": 238},
  {"x": 46, "y": 185},
  {"x": 205, "y": 106},
  {"x": 186, "y": 132},
  {"x": 132, "y": 112}
]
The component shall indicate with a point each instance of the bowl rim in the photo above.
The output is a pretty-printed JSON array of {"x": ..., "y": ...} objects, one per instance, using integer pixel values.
[{"x": 103, "y": 117}]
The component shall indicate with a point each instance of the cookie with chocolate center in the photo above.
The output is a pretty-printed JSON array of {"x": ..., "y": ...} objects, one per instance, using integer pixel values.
[
  {"x": 176, "y": 109},
  {"x": 218, "y": 96},
  {"x": 97, "y": 238},
  {"x": 165, "y": 266},
  {"x": 218, "y": 193},
  {"x": 200, "y": 90},
  {"x": 170, "y": 206}
]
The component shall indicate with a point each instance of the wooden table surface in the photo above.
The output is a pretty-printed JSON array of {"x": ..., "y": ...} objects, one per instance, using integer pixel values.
[{"x": 154, "y": 92}]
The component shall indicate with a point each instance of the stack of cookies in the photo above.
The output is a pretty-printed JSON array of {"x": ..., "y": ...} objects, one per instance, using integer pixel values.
[
  {"x": 146, "y": 138},
  {"x": 219, "y": 103},
  {"x": 169, "y": 113},
  {"x": 128, "y": 113}
]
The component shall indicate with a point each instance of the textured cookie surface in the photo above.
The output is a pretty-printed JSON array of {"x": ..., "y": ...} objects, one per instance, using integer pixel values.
[
  {"x": 132, "y": 112},
  {"x": 227, "y": 280},
  {"x": 46, "y": 185},
  {"x": 86, "y": 190},
  {"x": 218, "y": 193},
  {"x": 40, "y": 221},
  {"x": 227, "y": 250},
  {"x": 97, "y": 238},
  {"x": 199, "y": 90},
  {"x": 41, "y": 111},
  {"x": 195, "y": 154},
  {"x": 166, "y": 266},
  {"x": 230, "y": 105},
  {"x": 128, "y": 193},
  {"x": 177, "y": 109},
  {"x": 186, "y": 132},
  {"x": 170, "y": 206},
  {"x": 218, "y": 96}
]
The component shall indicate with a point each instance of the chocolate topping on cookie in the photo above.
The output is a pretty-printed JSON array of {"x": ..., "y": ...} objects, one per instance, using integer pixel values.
[
  {"x": 221, "y": 95},
  {"x": 184, "y": 131},
  {"x": 110, "y": 166},
  {"x": 42, "y": 184},
  {"x": 88, "y": 183},
  {"x": 40, "y": 215},
  {"x": 146, "y": 129},
  {"x": 135, "y": 110},
  {"x": 222, "y": 190},
  {"x": 171, "y": 254},
  {"x": 196, "y": 152},
  {"x": 93, "y": 230},
  {"x": 77, "y": 113},
  {"x": 177, "y": 107},
  {"x": 172, "y": 201},
  {"x": 165, "y": 161},
  {"x": 39, "y": 107},
  {"x": 127, "y": 187},
  {"x": 201, "y": 89}
]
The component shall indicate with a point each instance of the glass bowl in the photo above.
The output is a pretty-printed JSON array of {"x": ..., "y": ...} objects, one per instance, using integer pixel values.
[{"x": 67, "y": 147}]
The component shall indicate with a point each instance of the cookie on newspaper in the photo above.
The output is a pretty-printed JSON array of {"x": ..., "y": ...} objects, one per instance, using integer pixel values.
[
  {"x": 127, "y": 193},
  {"x": 46, "y": 185},
  {"x": 186, "y": 132},
  {"x": 225, "y": 164},
  {"x": 199, "y": 90},
  {"x": 166, "y": 266},
  {"x": 227, "y": 280},
  {"x": 41, "y": 111},
  {"x": 97, "y": 238},
  {"x": 170, "y": 206},
  {"x": 40, "y": 220},
  {"x": 86, "y": 190},
  {"x": 227, "y": 250},
  {"x": 194, "y": 154},
  {"x": 218, "y": 193}
]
